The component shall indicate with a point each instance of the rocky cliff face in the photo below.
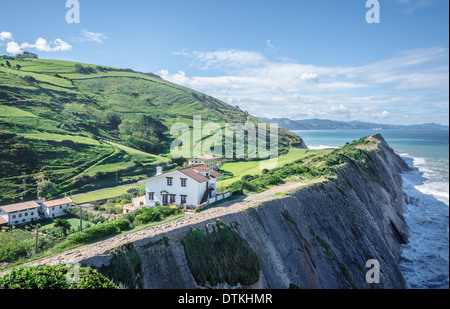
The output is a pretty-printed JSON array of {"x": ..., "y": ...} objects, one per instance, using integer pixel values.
[{"x": 318, "y": 237}]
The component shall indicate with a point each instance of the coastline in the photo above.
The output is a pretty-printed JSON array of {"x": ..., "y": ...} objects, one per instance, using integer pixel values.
[{"x": 425, "y": 259}]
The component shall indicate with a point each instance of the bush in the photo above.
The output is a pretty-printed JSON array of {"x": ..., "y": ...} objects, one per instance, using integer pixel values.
[
  {"x": 54, "y": 277},
  {"x": 12, "y": 249},
  {"x": 29, "y": 79},
  {"x": 95, "y": 232},
  {"x": 84, "y": 70},
  {"x": 148, "y": 215},
  {"x": 222, "y": 256}
]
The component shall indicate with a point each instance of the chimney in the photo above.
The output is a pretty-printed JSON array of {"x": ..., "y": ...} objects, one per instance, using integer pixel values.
[{"x": 159, "y": 170}]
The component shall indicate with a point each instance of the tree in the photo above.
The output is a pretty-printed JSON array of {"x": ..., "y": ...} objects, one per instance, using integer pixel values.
[
  {"x": 111, "y": 119},
  {"x": 8, "y": 64},
  {"x": 63, "y": 224},
  {"x": 180, "y": 161},
  {"x": 45, "y": 188},
  {"x": 83, "y": 70},
  {"x": 18, "y": 67},
  {"x": 29, "y": 79},
  {"x": 145, "y": 133}
]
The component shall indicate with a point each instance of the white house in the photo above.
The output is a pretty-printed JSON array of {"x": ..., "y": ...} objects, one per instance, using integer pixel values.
[
  {"x": 56, "y": 208},
  {"x": 20, "y": 213},
  {"x": 26, "y": 212},
  {"x": 27, "y": 55},
  {"x": 190, "y": 186},
  {"x": 207, "y": 160}
]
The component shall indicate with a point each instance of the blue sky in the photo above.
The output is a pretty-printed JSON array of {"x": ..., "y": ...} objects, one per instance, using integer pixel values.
[{"x": 288, "y": 58}]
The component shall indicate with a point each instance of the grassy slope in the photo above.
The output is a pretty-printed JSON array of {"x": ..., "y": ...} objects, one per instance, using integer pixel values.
[
  {"x": 239, "y": 169},
  {"x": 57, "y": 125}
]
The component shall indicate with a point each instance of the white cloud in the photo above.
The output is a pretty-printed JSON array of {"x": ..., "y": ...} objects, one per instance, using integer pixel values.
[
  {"x": 93, "y": 37},
  {"x": 383, "y": 90},
  {"x": 410, "y": 6},
  {"x": 5, "y": 36},
  {"x": 271, "y": 49},
  {"x": 13, "y": 48},
  {"x": 41, "y": 44},
  {"x": 224, "y": 59}
]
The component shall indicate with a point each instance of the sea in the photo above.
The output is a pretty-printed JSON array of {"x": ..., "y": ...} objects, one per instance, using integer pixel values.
[{"x": 425, "y": 259}]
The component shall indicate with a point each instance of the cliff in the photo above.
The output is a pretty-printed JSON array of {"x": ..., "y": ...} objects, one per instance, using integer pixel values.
[{"x": 320, "y": 236}]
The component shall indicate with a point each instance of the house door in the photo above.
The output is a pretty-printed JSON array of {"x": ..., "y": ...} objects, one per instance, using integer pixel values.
[{"x": 165, "y": 199}]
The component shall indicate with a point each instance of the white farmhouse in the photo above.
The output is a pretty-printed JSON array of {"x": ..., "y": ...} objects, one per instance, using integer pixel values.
[
  {"x": 26, "y": 212},
  {"x": 20, "y": 213},
  {"x": 56, "y": 208},
  {"x": 186, "y": 187},
  {"x": 207, "y": 160}
]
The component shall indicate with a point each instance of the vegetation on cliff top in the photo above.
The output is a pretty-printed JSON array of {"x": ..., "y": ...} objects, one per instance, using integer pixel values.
[
  {"x": 309, "y": 169},
  {"x": 55, "y": 277},
  {"x": 221, "y": 256}
]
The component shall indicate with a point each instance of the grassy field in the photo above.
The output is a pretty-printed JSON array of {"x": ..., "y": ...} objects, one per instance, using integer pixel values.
[
  {"x": 239, "y": 169},
  {"x": 103, "y": 194},
  {"x": 74, "y": 224}
]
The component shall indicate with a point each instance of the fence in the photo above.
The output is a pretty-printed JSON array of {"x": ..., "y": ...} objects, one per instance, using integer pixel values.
[
  {"x": 219, "y": 197},
  {"x": 212, "y": 200}
]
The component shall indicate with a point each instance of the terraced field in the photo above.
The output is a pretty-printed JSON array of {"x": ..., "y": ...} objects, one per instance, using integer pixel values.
[{"x": 80, "y": 126}]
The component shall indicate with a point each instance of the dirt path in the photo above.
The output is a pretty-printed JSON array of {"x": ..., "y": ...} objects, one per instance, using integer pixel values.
[{"x": 229, "y": 207}]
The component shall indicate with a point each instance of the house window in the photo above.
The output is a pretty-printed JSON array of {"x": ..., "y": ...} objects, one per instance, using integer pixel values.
[
  {"x": 32, "y": 213},
  {"x": 20, "y": 215},
  {"x": 13, "y": 216},
  {"x": 151, "y": 196},
  {"x": 169, "y": 181},
  {"x": 60, "y": 207},
  {"x": 183, "y": 199},
  {"x": 26, "y": 214},
  {"x": 172, "y": 198},
  {"x": 183, "y": 182}
]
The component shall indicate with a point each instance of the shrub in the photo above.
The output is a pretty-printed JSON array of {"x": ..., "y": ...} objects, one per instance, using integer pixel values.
[
  {"x": 83, "y": 70},
  {"x": 148, "y": 215},
  {"x": 11, "y": 249},
  {"x": 95, "y": 232},
  {"x": 29, "y": 79},
  {"x": 222, "y": 256},
  {"x": 54, "y": 277}
]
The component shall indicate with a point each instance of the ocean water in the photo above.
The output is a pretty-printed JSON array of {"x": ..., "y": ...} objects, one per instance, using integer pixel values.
[{"x": 425, "y": 259}]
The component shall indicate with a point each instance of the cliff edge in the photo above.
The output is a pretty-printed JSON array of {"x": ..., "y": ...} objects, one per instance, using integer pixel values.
[{"x": 317, "y": 236}]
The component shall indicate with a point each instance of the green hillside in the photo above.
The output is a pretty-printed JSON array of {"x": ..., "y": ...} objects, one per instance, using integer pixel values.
[{"x": 80, "y": 126}]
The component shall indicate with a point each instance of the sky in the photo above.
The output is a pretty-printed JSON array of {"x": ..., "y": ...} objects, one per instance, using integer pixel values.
[{"x": 297, "y": 59}]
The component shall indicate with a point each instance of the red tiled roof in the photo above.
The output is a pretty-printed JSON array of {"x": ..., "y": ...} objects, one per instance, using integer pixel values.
[
  {"x": 3, "y": 220},
  {"x": 19, "y": 206},
  {"x": 59, "y": 202},
  {"x": 193, "y": 172}
]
